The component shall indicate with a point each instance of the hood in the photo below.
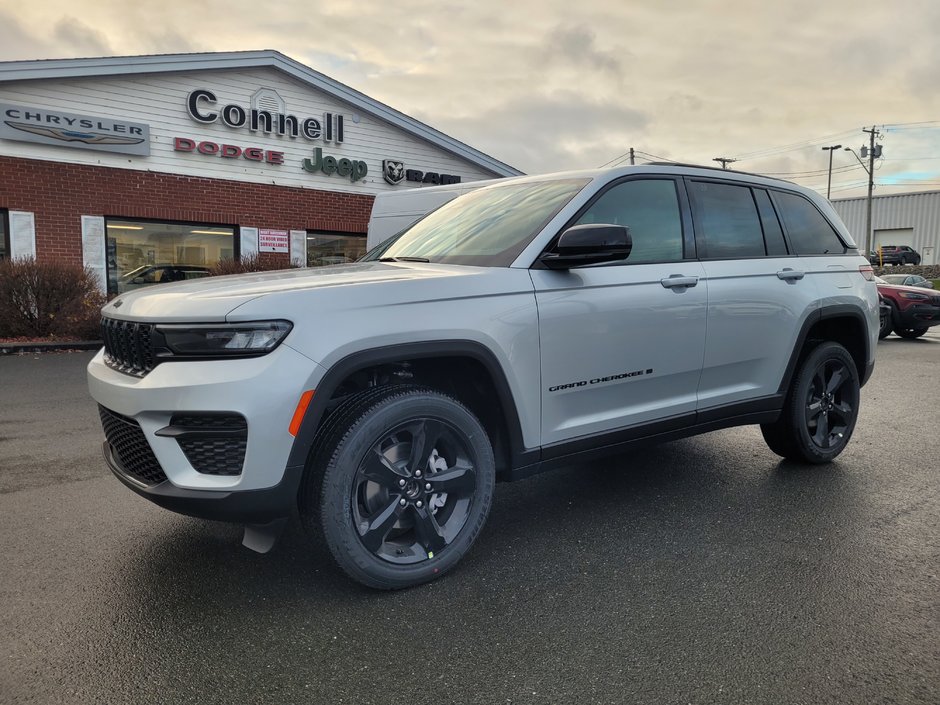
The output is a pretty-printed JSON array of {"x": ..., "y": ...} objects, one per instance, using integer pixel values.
[
  {"x": 929, "y": 293},
  {"x": 211, "y": 299}
]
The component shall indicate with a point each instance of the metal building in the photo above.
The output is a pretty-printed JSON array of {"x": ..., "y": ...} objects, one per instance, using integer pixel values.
[{"x": 899, "y": 219}]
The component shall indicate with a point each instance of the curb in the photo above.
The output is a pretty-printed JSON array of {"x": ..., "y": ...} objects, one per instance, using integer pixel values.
[{"x": 17, "y": 348}]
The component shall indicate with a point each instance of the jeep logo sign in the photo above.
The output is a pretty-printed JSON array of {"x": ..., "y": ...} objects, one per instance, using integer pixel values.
[{"x": 355, "y": 169}]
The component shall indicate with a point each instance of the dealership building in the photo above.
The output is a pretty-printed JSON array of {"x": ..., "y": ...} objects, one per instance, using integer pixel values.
[{"x": 157, "y": 167}]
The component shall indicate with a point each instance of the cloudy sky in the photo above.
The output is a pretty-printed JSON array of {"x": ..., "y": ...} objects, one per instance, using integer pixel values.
[{"x": 547, "y": 85}]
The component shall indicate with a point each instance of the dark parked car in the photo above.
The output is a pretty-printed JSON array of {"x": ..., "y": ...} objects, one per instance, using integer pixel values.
[
  {"x": 159, "y": 274},
  {"x": 908, "y": 280},
  {"x": 895, "y": 254},
  {"x": 913, "y": 309}
]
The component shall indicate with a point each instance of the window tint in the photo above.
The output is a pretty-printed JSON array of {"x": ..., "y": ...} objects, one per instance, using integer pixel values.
[
  {"x": 808, "y": 231},
  {"x": 727, "y": 221},
  {"x": 773, "y": 234},
  {"x": 650, "y": 209}
]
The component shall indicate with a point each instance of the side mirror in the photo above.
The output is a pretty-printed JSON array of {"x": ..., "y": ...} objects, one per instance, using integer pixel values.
[
  {"x": 589, "y": 244},
  {"x": 137, "y": 280}
]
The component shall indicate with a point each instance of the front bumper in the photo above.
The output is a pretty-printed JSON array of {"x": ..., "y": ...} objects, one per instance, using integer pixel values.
[
  {"x": 263, "y": 390},
  {"x": 919, "y": 316},
  {"x": 243, "y": 507}
]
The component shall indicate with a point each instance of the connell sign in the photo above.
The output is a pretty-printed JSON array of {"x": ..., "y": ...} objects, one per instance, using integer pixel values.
[{"x": 202, "y": 106}]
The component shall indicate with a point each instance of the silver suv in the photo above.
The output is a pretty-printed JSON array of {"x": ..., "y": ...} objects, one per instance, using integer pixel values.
[{"x": 525, "y": 325}]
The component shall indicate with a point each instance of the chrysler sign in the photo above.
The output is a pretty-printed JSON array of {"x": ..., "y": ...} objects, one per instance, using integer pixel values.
[{"x": 54, "y": 127}]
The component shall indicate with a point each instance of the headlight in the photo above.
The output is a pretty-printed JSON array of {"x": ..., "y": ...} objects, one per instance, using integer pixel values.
[
  {"x": 914, "y": 297},
  {"x": 220, "y": 339}
]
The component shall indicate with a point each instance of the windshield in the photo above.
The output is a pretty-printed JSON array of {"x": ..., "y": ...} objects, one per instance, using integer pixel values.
[{"x": 489, "y": 227}]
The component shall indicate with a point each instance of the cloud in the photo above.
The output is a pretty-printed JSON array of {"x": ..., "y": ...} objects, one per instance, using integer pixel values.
[
  {"x": 80, "y": 40},
  {"x": 578, "y": 46},
  {"x": 547, "y": 84},
  {"x": 564, "y": 130}
]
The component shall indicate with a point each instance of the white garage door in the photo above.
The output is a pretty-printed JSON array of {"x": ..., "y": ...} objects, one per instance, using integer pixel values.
[{"x": 901, "y": 236}]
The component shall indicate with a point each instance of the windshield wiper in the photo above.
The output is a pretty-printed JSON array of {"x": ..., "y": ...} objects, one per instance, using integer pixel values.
[{"x": 404, "y": 259}]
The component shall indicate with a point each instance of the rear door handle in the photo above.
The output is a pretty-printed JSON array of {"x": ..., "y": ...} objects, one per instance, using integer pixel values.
[
  {"x": 674, "y": 281},
  {"x": 788, "y": 274}
]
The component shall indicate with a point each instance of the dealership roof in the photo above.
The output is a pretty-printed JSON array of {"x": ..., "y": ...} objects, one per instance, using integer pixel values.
[{"x": 268, "y": 58}]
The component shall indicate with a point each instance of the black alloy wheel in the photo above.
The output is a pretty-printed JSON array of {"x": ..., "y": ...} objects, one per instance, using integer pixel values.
[
  {"x": 399, "y": 485},
  {"x": 821, "y": 407},
  {"x": 412, "y": 493},
  {"x": 830, "y": 404}
]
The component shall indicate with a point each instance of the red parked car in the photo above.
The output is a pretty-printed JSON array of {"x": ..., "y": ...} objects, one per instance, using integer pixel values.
[{"x": 913, "y": 309}]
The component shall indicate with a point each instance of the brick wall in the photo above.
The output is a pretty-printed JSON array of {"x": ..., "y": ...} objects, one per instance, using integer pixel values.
[{"x": 59, "y": 194}]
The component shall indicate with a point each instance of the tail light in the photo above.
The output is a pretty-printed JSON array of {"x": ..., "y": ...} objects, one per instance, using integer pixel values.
[{"x": 866, "y": 271}]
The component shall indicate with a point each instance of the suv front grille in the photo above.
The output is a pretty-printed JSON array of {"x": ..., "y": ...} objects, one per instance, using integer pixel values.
[
  {"x": 131, "y": 448},
  {"x": 128, "y": 346}
]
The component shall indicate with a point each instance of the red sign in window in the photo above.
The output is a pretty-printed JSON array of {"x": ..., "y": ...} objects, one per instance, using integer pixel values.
[{"x": 273, "y": 240}]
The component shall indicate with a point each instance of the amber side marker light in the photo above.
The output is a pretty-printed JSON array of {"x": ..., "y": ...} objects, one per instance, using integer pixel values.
[{"x": 299, "y": 412}]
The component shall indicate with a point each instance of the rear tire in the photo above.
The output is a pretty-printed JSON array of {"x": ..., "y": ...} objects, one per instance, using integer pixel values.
[
  {"x": 820, "y": 410},
  {"x": 885, "y": 323},
  {"x": 399, "y": 485},
  {"x": 910, "y": 333}
]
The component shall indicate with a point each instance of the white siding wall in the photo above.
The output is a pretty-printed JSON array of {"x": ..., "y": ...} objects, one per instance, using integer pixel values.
[
  {"x": 160, "y": 101},
  {"x": 920, "y": 211}
]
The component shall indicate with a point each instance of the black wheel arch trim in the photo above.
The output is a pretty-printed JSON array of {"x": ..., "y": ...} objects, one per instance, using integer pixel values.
[
  {"x": 826, "y": 312},
  {"x": 518, "y": 454}
]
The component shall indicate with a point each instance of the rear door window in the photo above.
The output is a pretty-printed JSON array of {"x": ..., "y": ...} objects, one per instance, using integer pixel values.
[
  {"x": 808, "y": 231},
  {"x": 727, "y": 224}
]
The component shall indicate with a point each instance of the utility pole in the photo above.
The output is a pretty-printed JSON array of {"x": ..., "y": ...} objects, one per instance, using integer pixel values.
[
  {"x": 725, "y": 161},
  {"x": 829, "y": 183},
  {"x": 872, "y": 133},
  {"x": 632, "y": 162}
]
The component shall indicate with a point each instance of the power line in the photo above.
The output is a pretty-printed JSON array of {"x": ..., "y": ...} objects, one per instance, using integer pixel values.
[{"x": 770, "y": 151}]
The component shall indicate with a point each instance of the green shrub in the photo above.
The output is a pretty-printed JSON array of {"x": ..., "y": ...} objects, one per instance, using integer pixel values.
[{"x": 48, "y": 299}]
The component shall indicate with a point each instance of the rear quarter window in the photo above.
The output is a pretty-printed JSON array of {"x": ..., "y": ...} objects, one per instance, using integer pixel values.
[{"x": 808, "y": 231}]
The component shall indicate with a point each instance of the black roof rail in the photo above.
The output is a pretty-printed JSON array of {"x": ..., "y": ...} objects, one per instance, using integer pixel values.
[{"x": 714, "y": 168}]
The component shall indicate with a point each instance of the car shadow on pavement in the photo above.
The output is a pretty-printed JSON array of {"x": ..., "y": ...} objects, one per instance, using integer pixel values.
[{"x": 677, "y": 491}]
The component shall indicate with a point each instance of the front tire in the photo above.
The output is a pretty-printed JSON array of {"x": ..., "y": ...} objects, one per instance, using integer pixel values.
[
  {"x": 820, "y": 410},
  {"x": 910, "y": 333},
  {"x": 401, "y": 484}
]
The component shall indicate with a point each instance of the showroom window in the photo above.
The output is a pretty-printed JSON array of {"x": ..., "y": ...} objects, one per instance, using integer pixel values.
[
  {"x": 4, "y": 235},
  {"x": 143, "y": 253},
  {"x": 324, "y": 248}
]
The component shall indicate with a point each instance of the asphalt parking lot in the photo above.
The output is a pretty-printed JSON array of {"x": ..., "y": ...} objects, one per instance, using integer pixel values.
[{"x": 701, "y": 571}]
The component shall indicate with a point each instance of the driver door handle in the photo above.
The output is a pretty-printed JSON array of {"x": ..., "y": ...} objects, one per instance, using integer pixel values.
[
  {"x": 788, "y": 274},
  {"x": 675, "y": 281}
]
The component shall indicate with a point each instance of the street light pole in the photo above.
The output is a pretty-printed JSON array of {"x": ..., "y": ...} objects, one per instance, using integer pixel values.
[{"x": 829, "y": 182}]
